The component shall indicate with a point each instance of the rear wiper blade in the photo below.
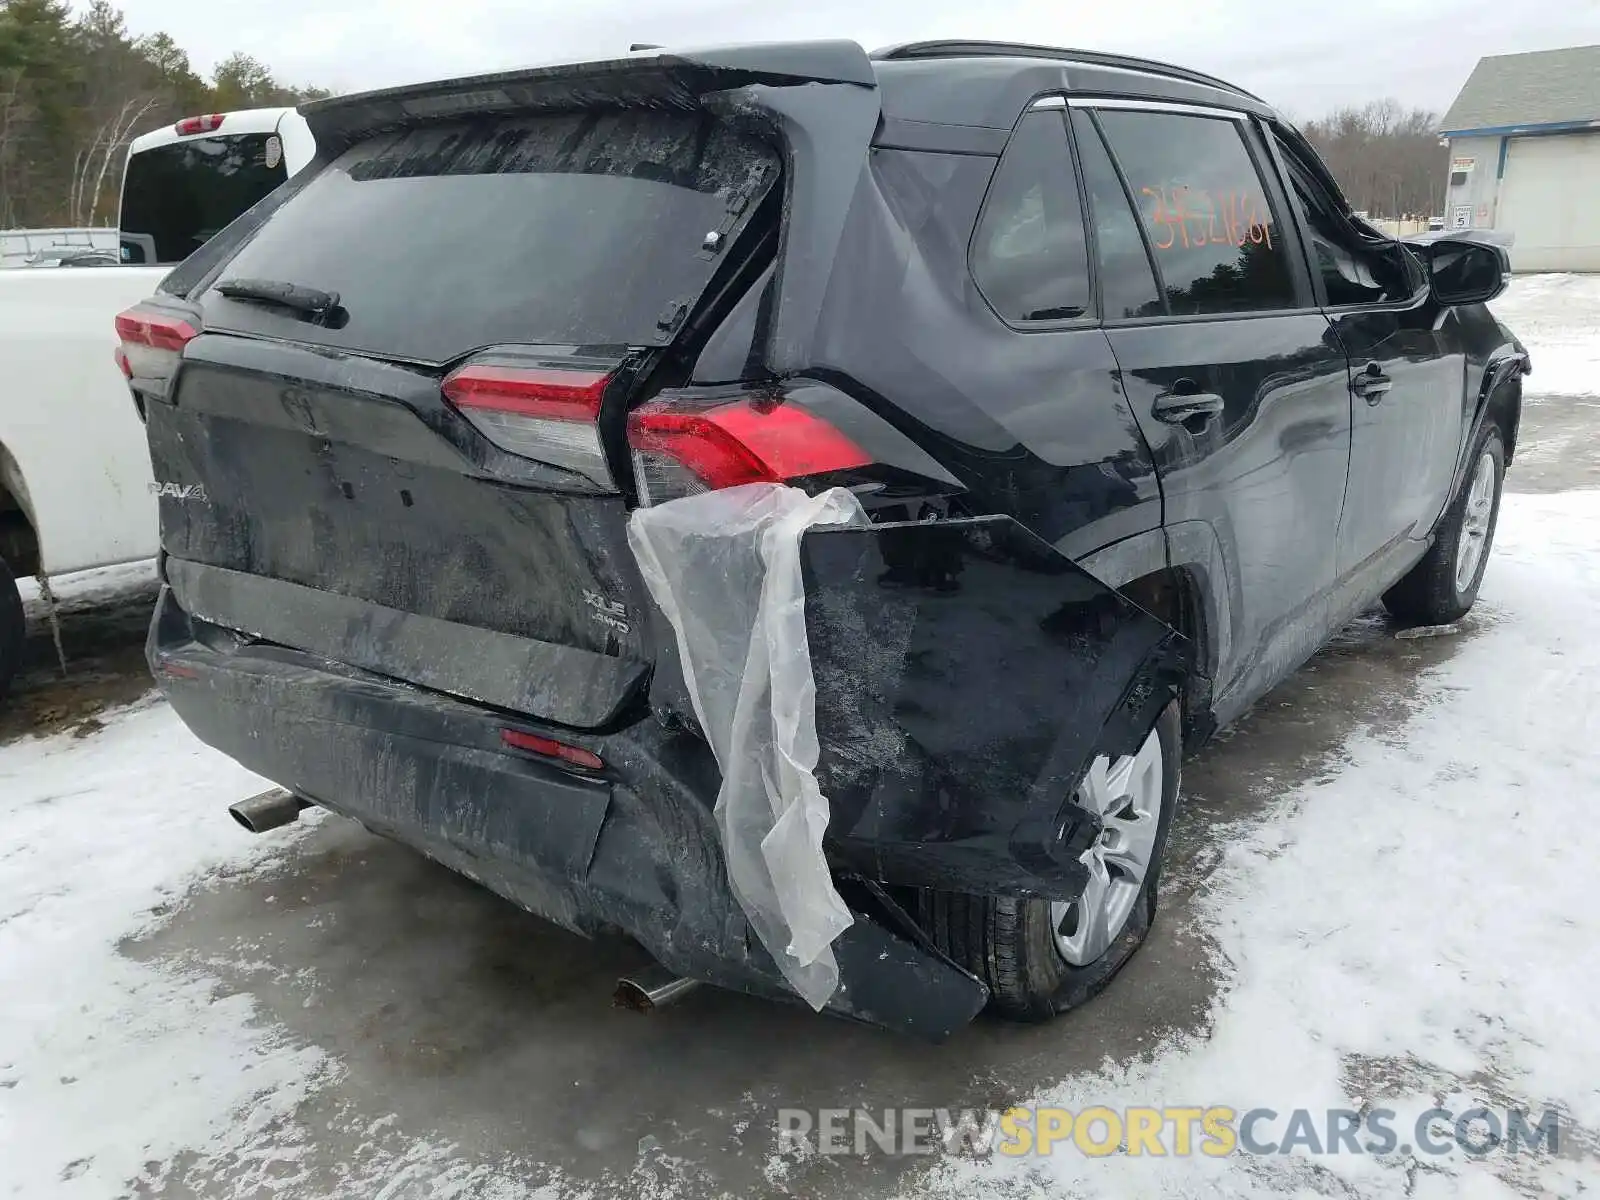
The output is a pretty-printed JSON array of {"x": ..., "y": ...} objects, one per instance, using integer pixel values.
[{"x": 311, "y": 301}]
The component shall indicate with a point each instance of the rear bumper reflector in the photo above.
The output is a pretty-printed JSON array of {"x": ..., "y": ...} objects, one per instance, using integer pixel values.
[{"x": 533, "y": 743}]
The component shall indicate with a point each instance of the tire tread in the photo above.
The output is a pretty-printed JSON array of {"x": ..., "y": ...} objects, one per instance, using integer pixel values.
[
  {"x": 13, "y": 626},
  {"x": 1426, "y": 595},
  {"x": 1006, "y": 941}
]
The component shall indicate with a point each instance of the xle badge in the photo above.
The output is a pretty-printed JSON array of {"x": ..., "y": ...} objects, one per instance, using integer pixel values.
[{"x": 610, "y": 613}]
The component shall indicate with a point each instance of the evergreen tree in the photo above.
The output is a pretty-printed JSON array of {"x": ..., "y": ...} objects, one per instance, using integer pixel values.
[{"x": 75, "y": 91}]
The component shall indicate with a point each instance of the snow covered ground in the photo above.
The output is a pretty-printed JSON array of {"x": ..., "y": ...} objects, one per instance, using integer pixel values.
[
  {"x": 107, "y": 1065},
  {"x": 1416, "y": 928},
  {"x": 1558, "y": 319},
  {"x": 1412, "y": 926}
]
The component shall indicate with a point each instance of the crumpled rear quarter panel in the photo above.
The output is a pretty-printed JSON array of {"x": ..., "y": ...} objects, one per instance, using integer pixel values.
[{"x": 967, "y": 673}]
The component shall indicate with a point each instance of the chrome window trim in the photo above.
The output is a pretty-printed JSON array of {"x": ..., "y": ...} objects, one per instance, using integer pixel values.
[{"x": 1167, "y": 106}]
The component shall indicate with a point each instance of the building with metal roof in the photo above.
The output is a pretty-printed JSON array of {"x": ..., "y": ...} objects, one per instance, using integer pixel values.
[{"x": 1524, "y": 138}]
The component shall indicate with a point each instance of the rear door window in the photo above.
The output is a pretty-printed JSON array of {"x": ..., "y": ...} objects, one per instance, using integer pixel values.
[
  {"x": 177, "y": 197},
  {"x": 1128, "y": 286},
  {"x": 1209, "y": 217},
  {"x": 1029, "y": 255},
  {"x": 580, "y": 229}
]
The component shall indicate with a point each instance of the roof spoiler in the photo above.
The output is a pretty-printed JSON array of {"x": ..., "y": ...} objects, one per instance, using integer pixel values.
[{"x": 649, "y": 78}]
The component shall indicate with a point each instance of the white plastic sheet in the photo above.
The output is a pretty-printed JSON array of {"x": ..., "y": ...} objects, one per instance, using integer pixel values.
[{"x": 725, "y": 569}]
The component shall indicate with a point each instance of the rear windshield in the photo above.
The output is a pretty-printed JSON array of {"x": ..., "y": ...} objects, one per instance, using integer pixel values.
[
  {"x": 581, "y": 229},
  {"x": 176, "y": 197}
]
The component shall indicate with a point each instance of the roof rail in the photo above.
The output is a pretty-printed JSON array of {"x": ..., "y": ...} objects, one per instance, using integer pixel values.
[{"x": 976, "y": 49}]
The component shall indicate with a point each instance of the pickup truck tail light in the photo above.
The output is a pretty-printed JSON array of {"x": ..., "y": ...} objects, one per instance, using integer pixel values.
[
  {"x": 205, "y": 123},
  {"x": 545, "y": 413},
  {"x": 682, "y": 447},
  {"x": 150, "y": 342}
]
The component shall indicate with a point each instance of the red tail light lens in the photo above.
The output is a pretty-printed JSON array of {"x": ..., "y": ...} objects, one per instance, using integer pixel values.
[
  {"x": 573, "y": 756},
  {"x": 141, "y": 327},
  {"x": 206, "y": 123},
  {"x": 558, "y": 395},
  {"x": 543, "y": 413},
  {"x": 680, "y": 448},
  {"x": 151, "y": 342}
]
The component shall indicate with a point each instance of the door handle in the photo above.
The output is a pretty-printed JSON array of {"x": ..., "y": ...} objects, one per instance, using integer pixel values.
[
  {"x": 1187, "y": 406},
  {"x": 1371, "y": 384}
]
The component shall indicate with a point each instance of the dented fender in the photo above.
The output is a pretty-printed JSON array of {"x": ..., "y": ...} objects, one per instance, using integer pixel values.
[{"x": 967, "y": 673}]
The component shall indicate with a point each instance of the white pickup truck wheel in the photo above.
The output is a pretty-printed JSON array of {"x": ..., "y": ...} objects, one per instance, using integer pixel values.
[{"x": 12, "y": 626}]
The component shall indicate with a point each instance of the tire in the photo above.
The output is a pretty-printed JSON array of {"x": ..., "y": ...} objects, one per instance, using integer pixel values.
[
  {"x": 13, "y": 624},
  {"x": 1011, "y": 945},
  {"x": 1443, "y": 586}
]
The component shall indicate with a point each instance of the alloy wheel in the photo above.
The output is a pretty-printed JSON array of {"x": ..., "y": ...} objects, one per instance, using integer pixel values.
[
  {"x": 1127, "y": 795},
  {"x": 1475, "y": 523}
]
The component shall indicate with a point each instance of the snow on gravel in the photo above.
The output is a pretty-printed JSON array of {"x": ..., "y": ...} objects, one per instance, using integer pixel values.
[
  {"x": 1558, "y": 319},
  {"x": 87, "y": 587},
  {"x": 107, "y": 1064},
  {"x": 1417, "y": 929}
]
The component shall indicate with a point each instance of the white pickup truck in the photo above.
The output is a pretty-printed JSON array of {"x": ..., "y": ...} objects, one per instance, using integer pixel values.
[{"x": 75, "y": 484}]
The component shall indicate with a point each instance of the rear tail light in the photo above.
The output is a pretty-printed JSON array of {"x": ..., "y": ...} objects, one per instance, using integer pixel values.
[
  {"x": 545, "y": 413},
  {"x": 206, "y": 123},
  {"x": 151, "y": 342},
  {"x": 573, "y": 756},
  {"x": 682, "y": 447}
]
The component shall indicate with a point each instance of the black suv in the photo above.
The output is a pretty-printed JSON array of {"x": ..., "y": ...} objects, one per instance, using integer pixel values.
[{"x": 1138, "y": 411}]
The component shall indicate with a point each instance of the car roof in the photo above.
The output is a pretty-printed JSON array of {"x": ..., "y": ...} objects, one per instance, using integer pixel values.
[
  {"x": 990, "y": 83},
  {"x": 973, "y": 84}
]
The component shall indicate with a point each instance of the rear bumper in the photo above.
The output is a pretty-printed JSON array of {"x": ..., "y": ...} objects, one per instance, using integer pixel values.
[{"x": 633, "y": 847}]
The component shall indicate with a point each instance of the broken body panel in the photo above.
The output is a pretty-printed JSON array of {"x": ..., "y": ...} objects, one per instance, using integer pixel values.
[
  {"x": 949, "y": 756},
  {"x": 368, "y": 597},
  {"x": 383, "y": 600}
]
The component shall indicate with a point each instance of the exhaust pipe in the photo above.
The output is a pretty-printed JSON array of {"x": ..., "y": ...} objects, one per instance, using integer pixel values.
[
  {"x": 653, "y": 988},
  {"x": 269, "y": 810}
]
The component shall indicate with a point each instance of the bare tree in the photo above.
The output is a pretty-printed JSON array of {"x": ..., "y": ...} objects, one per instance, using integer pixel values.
[
  {"x": 1387, "y": 158},
  {"x": 92, "y": 164},
  {"x": 76, "y": 87}
]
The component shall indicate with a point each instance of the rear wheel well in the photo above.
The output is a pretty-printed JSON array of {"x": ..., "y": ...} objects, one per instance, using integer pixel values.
[
  {"x": 1172, "y": 595},
  {"x": 19, "y": 540}
]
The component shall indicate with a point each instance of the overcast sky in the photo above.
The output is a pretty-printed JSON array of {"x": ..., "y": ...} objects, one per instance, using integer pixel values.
[{"x": 1306, "y": 58}]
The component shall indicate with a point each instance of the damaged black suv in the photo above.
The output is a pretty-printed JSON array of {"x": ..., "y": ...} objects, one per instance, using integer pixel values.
[{"x": 1137, "y": 411}]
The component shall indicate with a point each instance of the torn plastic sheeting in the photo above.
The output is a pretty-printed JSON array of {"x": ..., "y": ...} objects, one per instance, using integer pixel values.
[{"x": 725, "y": 569}]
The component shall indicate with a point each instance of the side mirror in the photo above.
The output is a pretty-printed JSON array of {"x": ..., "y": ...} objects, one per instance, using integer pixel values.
[{"x": 1466, "y": 272}]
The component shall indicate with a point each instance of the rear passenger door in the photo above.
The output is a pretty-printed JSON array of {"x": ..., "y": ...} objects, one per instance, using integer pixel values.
[{"x": 1234, "y": 376}]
